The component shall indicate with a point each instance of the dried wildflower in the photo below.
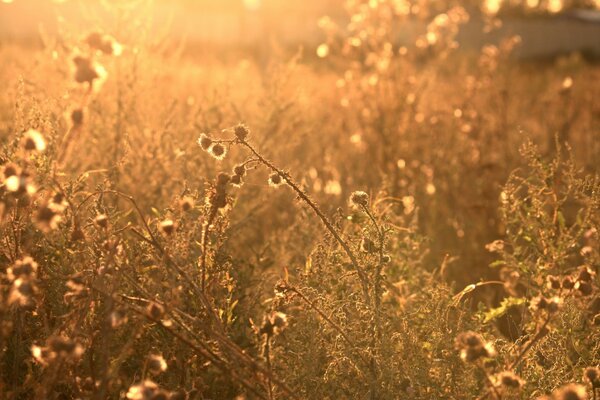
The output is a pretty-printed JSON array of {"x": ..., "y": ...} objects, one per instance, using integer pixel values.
[
  {"x": 241, "y": 132},
  {"x": 359, "y": 199},
  {"x": 236, "y": 180},
  {"x": 223, "y": 179},
  {"x": 167, "y": 227},
  {"x": 585, "y": 274},
  {"x": 157, "y": 364},
  {"x": 86, "y": 71},
  {"x": 584, "y": 288},
  {"x": 240, "y": 170},
  {"x": 205, "y": 142},
  {"x": 368, "y": 246},
  {"x": 386, "y": 258},
  {"x": 155, "y": 311},
  {"x": 550, "y": 305},
  {"x": 553, "y": 282},
  {"x": 101, "y": 220},
  {"x": 65, "y": 347},
  {"x": 572, "y": 391},
  {"x": 117, "y": 318},
  {"x": 146, "y": 390},
  {"x": 275, "y": 179},
  {"x": 47, "y": 218},
  {"x": 592, "y": 375},
  {"x": 25, "y": 268},
  {"x": 77, "y": 116},
  {"x": 76, "y": 288},
  {"x": 508, "y": 380},
  {"x": 218, "y": 151},
  {"x": 596, "y": 320},
  {"x": 104, "y": 43},
  {"x": 21, "y": 294},
  {"x": 34, "y": 141},
  {"x": 568, "y": 283},
  {"x": 472, "y": 347},
  {"x": 178, "y": 395},
  {"x": 19, "y": 184},
  {"x": 9, "y": 170},
  {"x": 186, "y": 203},
  {"x": 273, "y": 324}
]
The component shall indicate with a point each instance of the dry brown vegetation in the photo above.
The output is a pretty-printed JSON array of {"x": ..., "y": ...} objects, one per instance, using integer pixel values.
[{"x": 372, "y": 221}]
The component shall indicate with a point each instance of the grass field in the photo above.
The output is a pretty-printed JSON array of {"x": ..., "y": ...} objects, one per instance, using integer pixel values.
[{"x": 358, "y": 219}]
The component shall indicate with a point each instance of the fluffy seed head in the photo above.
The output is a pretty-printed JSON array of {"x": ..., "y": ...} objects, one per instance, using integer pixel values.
[
  {"x": 218, "y": 151},
  {"x": 275, "y": 179},
  {"x": 204, "y": 141},
  {"x": 592, "y": 375},
  {"x": 241, "y": 131},
  {"x": 34, "y": 141},
  {"x": 359, "y": 199},
  {"x": 571, "y": 391}
]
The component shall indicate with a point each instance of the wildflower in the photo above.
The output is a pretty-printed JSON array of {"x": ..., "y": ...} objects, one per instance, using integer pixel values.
[
  {"x": 553, "y": 282},
  {"x": 508, "y": 380},
  {"x": 368, "y": 246},
  {"x": 34, "y": 141},
  {"x": 596, "y": 320},
  {"x": 585, "y": 274},
  {"x": 359, "y": 199},
  {"x": 223, "y": 179},
  {"x": 101, "y": 220},
  {"x": 584, "y": 288},
  {"x": 25, "y": 268},
  {"x": 568, "y": 283},
  {"x": 104, "y": 43},
  {"x": 167, "y": 227},
  {"x": 592, "y": 375},
  {"x": 117, "y": 318},
  {"x": 205, "y": 142},
  {"x": 472, "y": 347},
  {"x": 65, "y": 347},
  {"x": 145, "y": 390},
  {"x": 47, "y": 218},
  {"x": 86, "y": 71},
  {"x": 21, "y": 293},
  {"x": 550, "y": 305},
  {"x": 239, "y": 170},
  {"x": 273, "y": 324},
  {"x": 20, "y": 184},
  {"x": 218, "y": 151},
  {"x": 155, "y": 311},
  {"x": 157, "y": 364},
  {"x": 386, "y": 258},
  {"x": 77, "y": 116},
  {"x": 572, "y": 391},
  {"x": 236, "y": 180},
  {"x": 241, "y": 132},
  {"x": 275, "y": 179},
  {"x": 186, "y": 203},
  {"x": 9, "y": 170},
  {"x": 76, "y": 286}
]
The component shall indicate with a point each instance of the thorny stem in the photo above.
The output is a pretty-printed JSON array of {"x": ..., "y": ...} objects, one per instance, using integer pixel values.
[
  {"x": 304, "y": 197},
  {"x": 220, "y": 364},
  {"x": 209, "y": 221}
]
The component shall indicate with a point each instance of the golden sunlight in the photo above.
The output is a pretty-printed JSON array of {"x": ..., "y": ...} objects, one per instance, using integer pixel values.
[{"x": 316, "y": 199}]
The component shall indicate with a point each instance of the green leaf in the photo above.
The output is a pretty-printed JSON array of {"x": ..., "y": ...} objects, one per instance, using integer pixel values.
[{"x": 506, "y": 304}]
